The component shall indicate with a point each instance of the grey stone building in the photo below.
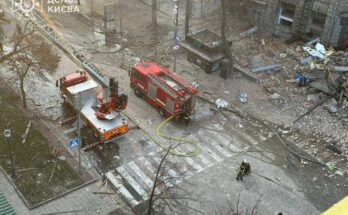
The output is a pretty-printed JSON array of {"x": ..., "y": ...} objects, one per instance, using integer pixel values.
[{"x": 326, "y": 19}]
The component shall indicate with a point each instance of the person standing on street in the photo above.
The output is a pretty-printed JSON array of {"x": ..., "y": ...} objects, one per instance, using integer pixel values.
[{"x": 244, "y": 169}]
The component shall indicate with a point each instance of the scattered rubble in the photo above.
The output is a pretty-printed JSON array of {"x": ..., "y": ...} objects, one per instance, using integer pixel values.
[
  {"x": 220, "y": 103},
  {"x": 243, "y": 97},
  {"x": 248, "y": 32},
  {"x": 273, "y": 67}
]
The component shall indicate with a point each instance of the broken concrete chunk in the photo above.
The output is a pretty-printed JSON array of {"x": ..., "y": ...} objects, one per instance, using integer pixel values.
[
  {"x": 331, "y": 165},
  {"x": 273, "y": 67},
  {"x": 320, "y": 48},
  {"x": 306, "y": 60},
  {"x": 340, "y": 172},
  {"x": 312, "y": 42},
  {"x": 314, "y": 52},
  {"x": 341, "y": 69},
  {"x": 243, "y": 97},
  {"x": 333, "y": 106},
  {"x": 220, "y": 103},
  {"x": 248, "y": 32},
  {"x": 63, "y": 158},
  {"x": 275, "y": 96}
]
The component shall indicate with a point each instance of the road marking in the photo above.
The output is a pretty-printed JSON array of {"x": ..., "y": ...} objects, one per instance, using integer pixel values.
[
  {"x": 173, "y": 175},
  {"x": 132, "y": 182},
  {"x": 193, "y": 164},
  {"x": 148, "y": 165},
  {"x": 142, "y": 176},
  {"x": 213, "y": 154},
  {"x": 116, "y": 182},
  {"x": 205, "y": 160},
  {"x": 223, "y": 151}
]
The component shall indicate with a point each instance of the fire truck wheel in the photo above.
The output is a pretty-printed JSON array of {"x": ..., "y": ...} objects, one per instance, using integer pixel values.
[
  {"x": 161, "y": 111},
  {"x": 137, "y": 92}
]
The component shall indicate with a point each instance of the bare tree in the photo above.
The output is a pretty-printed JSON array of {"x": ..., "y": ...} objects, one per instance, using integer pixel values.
[
  {"x": 248, "y": 211},
  {"x": 165, "y": 195},
  {"x": 18, "y": 41},
  {"x": 226, "y": 46},
  {"x": 37, "y": 56}
]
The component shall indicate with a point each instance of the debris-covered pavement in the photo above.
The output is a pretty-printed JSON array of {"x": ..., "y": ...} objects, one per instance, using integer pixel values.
[{"x": 284, "y": 108}]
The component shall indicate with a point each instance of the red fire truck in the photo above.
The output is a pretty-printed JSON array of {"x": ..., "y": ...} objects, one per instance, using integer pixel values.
[{"x": 163, "y": 89}]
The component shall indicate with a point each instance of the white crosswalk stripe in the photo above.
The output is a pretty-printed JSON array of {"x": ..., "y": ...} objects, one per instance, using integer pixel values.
[
  {"x": 205, "y": 160},
  {"x": 223, "y": 151},
  {"x": 132, "y": 182},
  {"x": 192, "y": 163},
  {"x": 148, "y": 166},
  {"x": 213, "y": 154},
  {"x": 141, "y": 174},
  {"x": 216, "y": 141},
  {"x": 117, "y": 183},
  {"x": 172, "y": 174},
  {"x": 218, "y": 147}
]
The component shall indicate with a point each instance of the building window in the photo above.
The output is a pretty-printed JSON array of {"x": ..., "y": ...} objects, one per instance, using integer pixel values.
[
  {"x": 318, "y": 22},
  {"x": 257, "y": 16},
  {"x": 286, "y": 14}
]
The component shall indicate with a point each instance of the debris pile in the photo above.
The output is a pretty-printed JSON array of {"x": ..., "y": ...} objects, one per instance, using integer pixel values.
[{"x": 313, "y": 84}]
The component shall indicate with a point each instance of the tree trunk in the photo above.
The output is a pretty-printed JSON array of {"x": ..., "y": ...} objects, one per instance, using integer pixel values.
[
  {"x": 152, "y": 195},
  {"x": 226, "y": 47},
  {"x": 187, "y": 16},
  {"x": 154, "y": 13},
  {"x": 21, "y": 85}
]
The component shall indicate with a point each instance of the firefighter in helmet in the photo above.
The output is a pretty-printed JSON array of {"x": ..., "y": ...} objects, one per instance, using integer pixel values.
[{"x": 244, "y": 169}]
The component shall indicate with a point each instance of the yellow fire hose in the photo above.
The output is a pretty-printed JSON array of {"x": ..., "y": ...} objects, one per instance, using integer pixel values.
[{"x": 174, "y": 151}]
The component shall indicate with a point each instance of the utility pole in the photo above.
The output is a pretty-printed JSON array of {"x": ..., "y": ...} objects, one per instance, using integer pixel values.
[
  {"x": 79, "y": 130},
  {"x": 176, "y": 40},
  {"x": 7, "y": 134},
  {"x": 187, "y": 16}
]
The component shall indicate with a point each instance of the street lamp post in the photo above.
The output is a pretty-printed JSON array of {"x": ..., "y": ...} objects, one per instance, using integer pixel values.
[
  {"x": 176, "y": 40},
  {"x": 79, "y": 129},
  {"x": 7, "y": 134}
]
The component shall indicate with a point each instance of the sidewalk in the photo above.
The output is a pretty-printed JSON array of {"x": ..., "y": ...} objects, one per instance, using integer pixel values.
[{"x": 81, "y": 201}]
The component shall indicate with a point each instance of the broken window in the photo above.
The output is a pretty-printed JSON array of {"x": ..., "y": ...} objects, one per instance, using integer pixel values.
[
  {"x": 286, "y": 14},
  {"x": 257, "y": 16},
  {"x": 318, "y": 22}
]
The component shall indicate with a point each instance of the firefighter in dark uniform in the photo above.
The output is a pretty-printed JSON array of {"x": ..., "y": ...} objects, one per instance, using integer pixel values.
[{"x": 244, "y": 169}]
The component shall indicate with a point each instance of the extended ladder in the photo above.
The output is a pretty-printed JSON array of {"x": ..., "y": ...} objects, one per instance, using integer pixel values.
[{"x": 163, "y": 86}]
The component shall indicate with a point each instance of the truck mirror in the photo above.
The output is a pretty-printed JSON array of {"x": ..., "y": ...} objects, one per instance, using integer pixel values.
[
  {"x": 129, "y": 72},
  {"x": 57, "y": 83}
]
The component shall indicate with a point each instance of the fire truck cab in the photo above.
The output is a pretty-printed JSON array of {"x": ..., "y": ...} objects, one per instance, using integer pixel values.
[{"x": 163, "y": 89}]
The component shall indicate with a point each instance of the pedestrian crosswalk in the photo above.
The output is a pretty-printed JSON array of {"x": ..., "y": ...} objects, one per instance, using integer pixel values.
[{"x": 134, "y": 180}]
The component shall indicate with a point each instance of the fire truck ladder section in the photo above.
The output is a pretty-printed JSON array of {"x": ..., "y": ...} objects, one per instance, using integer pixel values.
[{"x": 159, "y": 83}]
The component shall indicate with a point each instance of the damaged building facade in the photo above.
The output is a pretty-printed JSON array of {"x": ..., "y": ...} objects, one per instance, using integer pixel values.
[{"x": 326, "y": 19}]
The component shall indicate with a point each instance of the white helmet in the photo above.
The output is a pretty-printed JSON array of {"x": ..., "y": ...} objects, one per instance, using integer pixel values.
[{"x": 244, "y": 160}]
